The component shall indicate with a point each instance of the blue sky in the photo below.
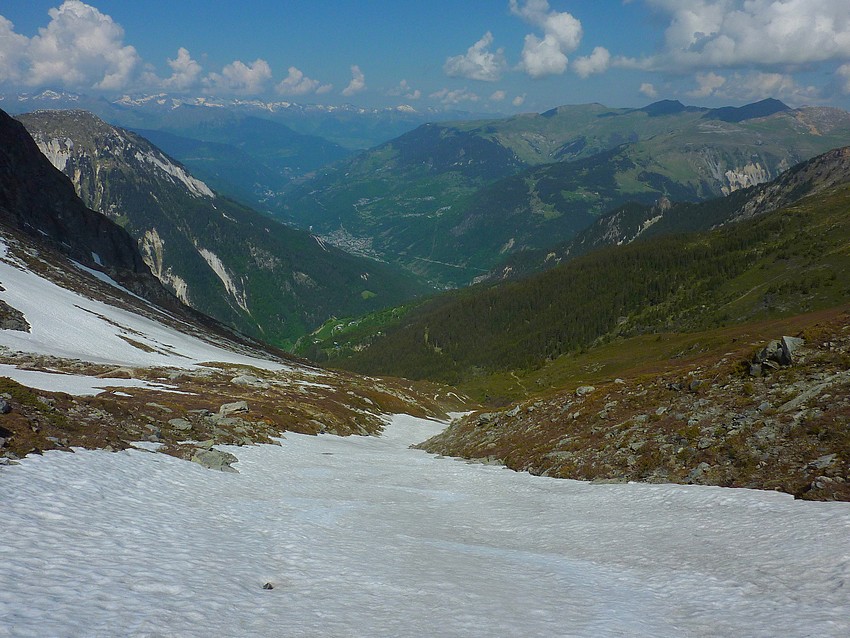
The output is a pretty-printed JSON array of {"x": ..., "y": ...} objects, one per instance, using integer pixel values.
[{"x": 483, "y": 55}]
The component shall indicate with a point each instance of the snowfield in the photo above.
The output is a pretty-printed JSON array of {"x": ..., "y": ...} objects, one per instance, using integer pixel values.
[
  {"x": 67, "y": 324},
  {"x": 361, "y": 536}
]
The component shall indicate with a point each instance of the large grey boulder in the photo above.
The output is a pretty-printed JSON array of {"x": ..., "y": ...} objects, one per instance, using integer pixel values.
[{"x": 213, "y": 459}]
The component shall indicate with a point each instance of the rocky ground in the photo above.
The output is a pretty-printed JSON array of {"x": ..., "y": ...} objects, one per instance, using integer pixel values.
[
  {"x": 204, "y": 407},
  {"x": 750, "y": 418}
]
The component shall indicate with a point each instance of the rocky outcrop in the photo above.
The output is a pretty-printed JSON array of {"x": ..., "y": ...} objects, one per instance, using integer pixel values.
[{"x": 711, "y": 424}]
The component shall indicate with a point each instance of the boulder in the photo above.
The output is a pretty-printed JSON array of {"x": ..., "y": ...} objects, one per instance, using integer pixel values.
[
  {"x": 789, "y": 346},
  {"x": 583, "y": 390},
  {"x": 180, "y": 424},
  {"x": 213, "y": 459},
  {"x": 237, "y": 407},
  {"x": 5, "y": 406},
  {"x": 250, "y": 381}
]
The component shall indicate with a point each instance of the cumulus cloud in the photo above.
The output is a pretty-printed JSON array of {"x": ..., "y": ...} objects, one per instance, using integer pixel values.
[
  {"x": 478, "y": 63},
  {"x": 562, "y": 34},
  {"x": 451, "y": 97},
  {"x": 498, "y": 96},
  {"x": 296, "y": 83},
  {"x": 79, "y": 48},
  {"x": 238, "y": 77},
  {"x": 405, "y": 90},
  {"x": 648, "y": 90},
  {"x": 597, "y": 62},
  {"x": 707, "y": 83},
  {"x": 734, "y": 33},
  {"x": 755, "y": 85},
  {"x": 519, "y": 100},
  {"x": 357, "y": 84},
  {"x": 185, "y": 72}
]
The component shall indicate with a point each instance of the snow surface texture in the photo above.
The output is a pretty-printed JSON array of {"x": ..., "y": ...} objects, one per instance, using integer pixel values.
[
  {"x": 77, "y": 327},
  {"x": 76, "y": 384},
  {"x": 361, "y": 536}
]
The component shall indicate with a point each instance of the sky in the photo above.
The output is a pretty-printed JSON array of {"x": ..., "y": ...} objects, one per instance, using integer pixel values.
[{"x": 503, "y": 56}]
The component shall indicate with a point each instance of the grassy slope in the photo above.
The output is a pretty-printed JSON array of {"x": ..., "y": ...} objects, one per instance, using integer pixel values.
[{"x": 780, "y": 264}]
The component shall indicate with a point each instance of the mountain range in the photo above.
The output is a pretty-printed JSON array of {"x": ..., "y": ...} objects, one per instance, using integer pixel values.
[
  {"x": 224, "y": 259},
  {"x": 449, "y": 201}
]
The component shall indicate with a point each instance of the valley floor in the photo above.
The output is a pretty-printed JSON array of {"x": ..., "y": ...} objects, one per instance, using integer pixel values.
[{"x": 361, "y": 536}]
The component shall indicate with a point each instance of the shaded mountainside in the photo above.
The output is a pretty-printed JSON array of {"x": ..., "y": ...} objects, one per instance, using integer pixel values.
[
  {"x": 223, "y": 259},
  {"x": 449, "y": 201},
  {"x": 788, "y": 261},
  {"x": 38, "y": 200}
]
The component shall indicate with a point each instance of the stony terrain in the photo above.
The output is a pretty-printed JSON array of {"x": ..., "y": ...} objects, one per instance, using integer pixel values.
[
  {"x": 747, "y": 417},
  {"x": 198, "y": 409}
]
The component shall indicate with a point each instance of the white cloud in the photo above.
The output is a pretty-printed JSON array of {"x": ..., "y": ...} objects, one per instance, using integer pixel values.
[
  {"x": 12, "y": 52},
  {"x": 498, "y": 96},
  {"x": 730, "y": 33},
  {"x": 754, "y": 86},
  {"x": 325, "y": 88},
  {"x": 479, "y": 63},
  {"x": 648, "y": 90},
  {"x": 562, "y": 34},
  {"x": 449, "y": 97},
  {"x": 79, "y": 48},
  {"x": 238, "y": 77},
  {"x": 843, "y": 72},
  {"x": 185, "y": 72},
  {"x": 519, "y": 100},
  {"x": 597, "y": 62},
  {"x": 708, "y": 84},
  {"x": 357, "y": 84},
  {"x": 405, "y": 90},
  {"x": 296, "y": 83}
]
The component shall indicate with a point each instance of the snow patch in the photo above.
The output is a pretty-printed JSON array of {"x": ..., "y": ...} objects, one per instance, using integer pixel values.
[
  {"x": 220, "y": 270},
  {"x": 195, "y": 186},
  {"x": 66, "y": 324},
  {"x": 78, "y": 385}
]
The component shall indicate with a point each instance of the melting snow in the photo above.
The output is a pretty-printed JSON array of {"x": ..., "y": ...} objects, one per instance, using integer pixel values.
[
  {"x": 361, "y": 536},
  {"x": 81, "y": 328},
  {"x": 78, "y": 385}
]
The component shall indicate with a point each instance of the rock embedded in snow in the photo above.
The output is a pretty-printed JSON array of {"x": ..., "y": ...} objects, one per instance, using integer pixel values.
[{"x": 213, "y": 459}]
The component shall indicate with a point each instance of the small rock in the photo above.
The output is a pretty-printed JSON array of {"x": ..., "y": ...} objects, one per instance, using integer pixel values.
[
  {"x": 180, "y": 424},
  {"x": 822, "y": 462},
  {"x": 583, "y": 390},
  {"x": 268, "y": 586},
  {"x": 764, "y": 406},
  {"x": 250, "y": 381},
  {"x": 237, "y": 407},
  {"x": 660, "y": 411},
  {"x": 698, "y": 472},
  {"x": 755, "y": 370},
  {"x": 704, "y": 443},
  {"x": 159, "y": 407},
  {"x": 694, "y": 385},
  {"x": 5, "y": 406}
]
